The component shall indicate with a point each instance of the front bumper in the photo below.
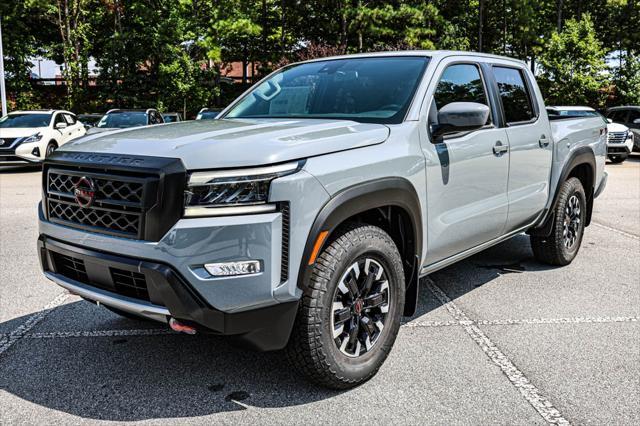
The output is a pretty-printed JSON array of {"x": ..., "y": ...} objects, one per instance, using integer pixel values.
[
  {"x": 620, "y": 148},
  {"x": 169, "y": 295}
]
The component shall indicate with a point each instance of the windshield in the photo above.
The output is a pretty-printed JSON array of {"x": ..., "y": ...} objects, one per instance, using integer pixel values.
[
  {"x": 374, "y": 90},
  {"x": 14, "y": 121},
  {"x": 121, "y": 120}
]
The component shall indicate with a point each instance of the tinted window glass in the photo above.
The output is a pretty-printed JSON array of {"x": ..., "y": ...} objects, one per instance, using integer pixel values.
[
  {"x": 516, "y": 101},
  {"x": 375, "y": 90},
  {"x": 618, "y": 116},
  {"x": 208, "y": 115},
  {"x": 60, "y": 119},
  {"x": 460, "y": 83},
  {"x": 123, "y": 120},
  {"x": 633, "y": 115},
  {"x": 24, "y": 120}
]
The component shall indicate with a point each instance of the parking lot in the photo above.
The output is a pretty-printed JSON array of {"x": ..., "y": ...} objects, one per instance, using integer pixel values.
[{"x": 499, "y": 338}]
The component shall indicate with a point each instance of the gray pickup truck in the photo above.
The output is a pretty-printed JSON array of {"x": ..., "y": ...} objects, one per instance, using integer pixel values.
[{"x": 304, "y": 216}]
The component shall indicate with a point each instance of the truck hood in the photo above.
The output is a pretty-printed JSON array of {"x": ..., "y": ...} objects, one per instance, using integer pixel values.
[
  {"x": 207, "y": 144},
  {"x": 616, "y": 127}
]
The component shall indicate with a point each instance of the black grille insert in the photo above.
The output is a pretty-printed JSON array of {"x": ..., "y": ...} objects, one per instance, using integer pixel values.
[
  {"x": 286, "y": 224},
  {"x": 118, "y": 206},
  {"x": 129, "y": 283},
  {"x": 70, "y": 267}
]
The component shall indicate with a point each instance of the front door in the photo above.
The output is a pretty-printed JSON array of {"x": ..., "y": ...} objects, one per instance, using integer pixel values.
[{"x": 467, "y": 172}]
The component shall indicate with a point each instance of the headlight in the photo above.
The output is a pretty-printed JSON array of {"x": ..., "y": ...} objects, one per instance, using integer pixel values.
[
  {"x": 233, "y": 191},
  {"x": 33, "y": 138},
  {"x": 629, "y": 134}
]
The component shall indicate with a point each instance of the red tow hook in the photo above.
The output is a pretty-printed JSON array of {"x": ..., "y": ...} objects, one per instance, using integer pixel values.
[{"x": 180, "y": 327}]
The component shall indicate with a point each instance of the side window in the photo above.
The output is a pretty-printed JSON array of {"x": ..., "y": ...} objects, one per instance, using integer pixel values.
[
  {"x": 159, "y": 118},
  {"x": 634, "y": 115},
  {"x": 459, "y": 83},
  {"x": 618, "y": 116},
  {"x": 71, "y": 120},
  {"x": 515, "y": 97},
  {"x": 151, "y": 118},
  {"x": 59, "y": 119}
]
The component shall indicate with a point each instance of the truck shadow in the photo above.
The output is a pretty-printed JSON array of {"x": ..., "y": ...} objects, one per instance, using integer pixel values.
[{"x": 137, "y": 377}]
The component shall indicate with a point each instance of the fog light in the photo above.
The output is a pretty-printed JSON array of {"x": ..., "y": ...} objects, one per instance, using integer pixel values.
[
  {"x": 36, "y": 152},
  {"x": 228, "y": 269}
]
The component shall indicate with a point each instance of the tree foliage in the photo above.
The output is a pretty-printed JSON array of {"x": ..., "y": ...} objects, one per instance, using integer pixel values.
[
  {"x": 171, "y": 54},
  {"x": 573, "y": 65}
]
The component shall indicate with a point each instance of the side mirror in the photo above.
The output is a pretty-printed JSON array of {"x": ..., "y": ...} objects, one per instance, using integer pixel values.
[
  {"x": 460, "y": 116},
  {"x": 609, "y": 120},
  {"x": 60, "y": 126},
  {"x": 636, "y": 121}
]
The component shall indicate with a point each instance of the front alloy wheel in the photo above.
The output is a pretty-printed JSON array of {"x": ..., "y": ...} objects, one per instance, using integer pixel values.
[{"x": 360, "y": 307}]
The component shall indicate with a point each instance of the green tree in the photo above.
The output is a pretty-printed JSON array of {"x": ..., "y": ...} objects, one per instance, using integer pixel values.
[
  {"x": 627, "y": 81},
  {"x": 573, "y": 67}
]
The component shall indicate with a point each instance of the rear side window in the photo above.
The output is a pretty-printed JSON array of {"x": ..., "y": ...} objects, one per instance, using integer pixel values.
[
  {"x": 515, "y": 97},
  {"x": 71, "y": 120},
  {"x": 460, "y": 83}
]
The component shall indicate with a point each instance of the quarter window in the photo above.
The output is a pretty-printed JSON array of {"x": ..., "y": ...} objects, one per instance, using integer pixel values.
[
  {"x": 459, "y": 83},
  {"x": 516, "y": 100}
]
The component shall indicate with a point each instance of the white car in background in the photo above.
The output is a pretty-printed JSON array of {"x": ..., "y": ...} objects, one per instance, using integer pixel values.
[
  {"x": 30, "y": 136},
  {"x": 619, "y": 137}
]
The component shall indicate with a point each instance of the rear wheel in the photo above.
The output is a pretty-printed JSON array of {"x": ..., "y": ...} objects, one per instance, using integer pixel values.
[
  {"x": 350, "y": 311},
  {"x": 563, "y": 243},
  {"x": 618, "y": 158}
]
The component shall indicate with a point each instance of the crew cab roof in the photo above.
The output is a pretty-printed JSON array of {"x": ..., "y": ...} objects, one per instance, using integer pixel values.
[{"x": 434, "y": 54}]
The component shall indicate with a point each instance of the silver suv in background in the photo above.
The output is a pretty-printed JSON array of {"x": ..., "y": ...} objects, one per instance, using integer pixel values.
[{"x": 304, "y": 216}]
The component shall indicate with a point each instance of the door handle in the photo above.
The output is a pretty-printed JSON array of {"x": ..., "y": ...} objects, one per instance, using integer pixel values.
[
  {"x": 543, "y": 141},
  {"x": 499, "y": 148}
]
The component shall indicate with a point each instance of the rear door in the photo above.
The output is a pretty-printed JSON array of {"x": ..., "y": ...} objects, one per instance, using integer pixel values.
[
  {"x": 530, "y": 144},
  {"x": 466, "y": 175}
]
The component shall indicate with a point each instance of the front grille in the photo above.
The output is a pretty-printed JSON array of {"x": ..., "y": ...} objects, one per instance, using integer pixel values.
[
  {"x": 117, "y": 208},
  {"x": 286, "y": 224},
  {"x": 617, "y": 137},
  {"x": 70, "y": 267},
  {"x": 129, "y": 283},
  {"x": 6, "y": 142}
]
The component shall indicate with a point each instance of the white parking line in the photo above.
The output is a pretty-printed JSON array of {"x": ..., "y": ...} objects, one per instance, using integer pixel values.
[
  {"x": 529, "y": 391},
  {"x": 617, "y": 231},
  {"x": 8, "y": 341},
  {"x": 575, "y": 320},
  {"x": 100, "y": 333}
]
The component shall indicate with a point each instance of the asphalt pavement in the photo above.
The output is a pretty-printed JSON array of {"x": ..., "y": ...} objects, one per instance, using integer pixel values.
[{"x": 498, "y": 339}]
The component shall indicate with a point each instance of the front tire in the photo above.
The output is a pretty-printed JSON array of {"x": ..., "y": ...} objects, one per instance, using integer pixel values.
[
  {"x": 350, "y": 312},
  {"x": 51, "y": 147},
  {"x": 563, "y": 243},
  {"x": 616, "y": 159}
]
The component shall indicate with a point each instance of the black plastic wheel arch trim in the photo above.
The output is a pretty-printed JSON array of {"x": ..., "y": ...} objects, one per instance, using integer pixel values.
[
  {"x": 262, "y": 329},
  {"x": 582, "y": 155},
  {"x": 397, "y": 192}
]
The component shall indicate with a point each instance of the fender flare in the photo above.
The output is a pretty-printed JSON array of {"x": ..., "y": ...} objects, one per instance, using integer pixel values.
[
  {"x": 397, "y": 192},
  {"x": 582, "y": 155}
]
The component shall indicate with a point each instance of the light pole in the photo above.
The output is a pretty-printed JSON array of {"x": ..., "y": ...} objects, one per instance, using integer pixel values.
[{"x": 3, "y": 91}]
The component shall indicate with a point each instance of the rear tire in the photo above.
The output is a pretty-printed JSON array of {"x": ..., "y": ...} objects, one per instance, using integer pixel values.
[
  {"x": 616, "y": 159},
  {"x": 350, "y": 312},
  {"x": 563, "y": 243}
]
